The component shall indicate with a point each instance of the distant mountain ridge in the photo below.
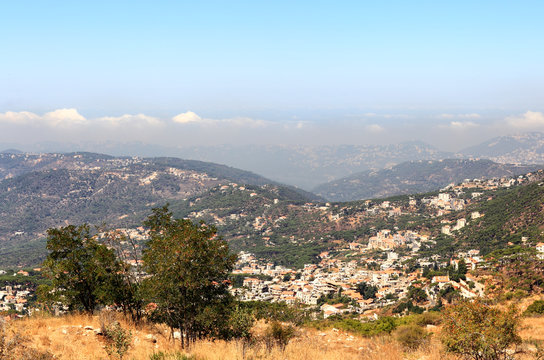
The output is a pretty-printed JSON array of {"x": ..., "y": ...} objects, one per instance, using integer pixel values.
[
  {"x": 298, "y": 165},
  {"x": 11, "y": 151},
  {"x": 308, "y": 166},
  {"x": 527, "y": 148},
  {"x": 415, "y": 177}
]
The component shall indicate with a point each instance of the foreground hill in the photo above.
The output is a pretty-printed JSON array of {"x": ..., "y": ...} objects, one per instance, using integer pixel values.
[
  {"x": 74, "y": 337},
  {"x": 414, "y": 177},
  {"x": 49, "y": 190}
]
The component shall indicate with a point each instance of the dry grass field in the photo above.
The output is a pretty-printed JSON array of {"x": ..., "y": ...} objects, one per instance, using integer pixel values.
[{"x": 73, "y": 337}]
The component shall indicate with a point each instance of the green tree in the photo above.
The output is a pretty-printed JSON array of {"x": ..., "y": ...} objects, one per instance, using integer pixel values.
[
  {"x": 83, "y": 272},
  {"x": 128, "y": 292},
  {"x": 477, "y": 331},
  {"x": 368, "y": 291},
  {"x": 416, "y": 294},
  {"x": 188, "y": 266}
]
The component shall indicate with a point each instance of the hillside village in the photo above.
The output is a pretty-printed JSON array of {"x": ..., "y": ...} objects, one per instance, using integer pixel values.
[
  {"x": 332, "y": 277},
  {"x": 389, "y": 261}
]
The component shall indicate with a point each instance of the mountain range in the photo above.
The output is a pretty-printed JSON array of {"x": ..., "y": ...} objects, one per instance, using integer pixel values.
[
  {"x": 527, "y": 148},
  {"x": 415, "y": 177},
  {"x": 307, "y": 167},
  {"x": 41, "y": 191}
]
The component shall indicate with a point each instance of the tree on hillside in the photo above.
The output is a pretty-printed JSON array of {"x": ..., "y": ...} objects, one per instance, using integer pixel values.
[
  {"x": 128, "y": 294},
  {"x": 366, "y": 290},
  {"x": 83, "y": 272},
  {"x": 416, "y": 294},
  {"x": 188, "y": 266},
  {"x": 477, "y": 331}
]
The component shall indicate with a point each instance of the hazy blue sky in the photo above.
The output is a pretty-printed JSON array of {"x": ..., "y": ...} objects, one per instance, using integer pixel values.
[{"x": 271, "y": 71}]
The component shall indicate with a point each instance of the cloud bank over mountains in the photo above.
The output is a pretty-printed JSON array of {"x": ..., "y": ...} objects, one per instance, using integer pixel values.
[{"x": 189, "y": 128}]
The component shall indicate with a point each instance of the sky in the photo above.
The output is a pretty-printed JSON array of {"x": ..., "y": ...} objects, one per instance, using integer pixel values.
[{"x": 452, "y": 73}]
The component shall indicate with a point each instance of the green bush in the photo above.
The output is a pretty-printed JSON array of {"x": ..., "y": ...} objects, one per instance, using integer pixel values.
[
  {"x": 429, "y": 318},
  {"x": 278, "y": 334},
  {"x": 118, "y": 340},
  {"x": 411, "y": 336},
  {"x": 536, "y": 308},
  {"x": 424, "y": 319},
  {"x": 477, "y": 331},
  {"x": 384, "y": 325}
]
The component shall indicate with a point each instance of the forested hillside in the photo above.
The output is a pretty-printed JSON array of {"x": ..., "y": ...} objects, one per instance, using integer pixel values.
[
  {"x": 41, "y": 191},
  {"x": 511, "y": 215}
]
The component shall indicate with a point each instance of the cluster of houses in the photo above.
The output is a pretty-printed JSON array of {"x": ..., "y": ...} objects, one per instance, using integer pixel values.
[
  {"x": 317, "y": 282},
  {"x": 14, "y": 298},
  {"x": 314, "y": 281},
  {"x": 540, "y": 250},
  {"x": 445, "y": 202},
  {"x": 387, "y": 240},
  {"x": 491, "y": 184}
]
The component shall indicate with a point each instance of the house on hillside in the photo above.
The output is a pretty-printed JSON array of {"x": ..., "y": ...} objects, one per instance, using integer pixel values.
[{"x": 540, "y": 250}]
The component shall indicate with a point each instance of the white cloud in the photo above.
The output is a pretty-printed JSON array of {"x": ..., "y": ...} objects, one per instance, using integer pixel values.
[
  {"x": 138, "y": 120},
  {"x": 243, "y": 122},
  {"x": 59, "y": 117},
  {"x": 190, "y": 117},
  {"x": 460, "y": 116},
  {"x": 63, "y": 117},
  {"x": 375, "y": 128},
  {"x": 470, "y": 116},
  {"x": 386, "y": 116},
  {"x": 530, "y": 119},
  {"x": 187, "y": 117},
  {"x": 462, "y": 125},
  {"x": 22, "y": 117},
  {"x": 289, "y": 125}
]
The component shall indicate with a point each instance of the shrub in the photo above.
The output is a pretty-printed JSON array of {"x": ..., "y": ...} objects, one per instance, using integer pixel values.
[
  {"x": 240, "y": 323},
  {"x": 106, "y": 319},
  {"x": 536, "y": 308},
  {"x": 278, "y": 334},
  {"x": 384, "y": 325},
  {"x": 429, "y": 318},
  {"x": 411, "y": 336},
  {"x": 118, "y": 340},
  {"x": 477, "y": 331}
]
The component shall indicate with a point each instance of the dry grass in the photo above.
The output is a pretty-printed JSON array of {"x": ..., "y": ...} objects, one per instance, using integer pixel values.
[
  {"x": 333, "y": 346},
  {"x": 533, "y": 328},
  {"x": 67, "y": 338}
]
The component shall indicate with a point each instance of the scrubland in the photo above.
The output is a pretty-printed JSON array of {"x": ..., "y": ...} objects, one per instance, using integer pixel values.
[
  {"x": 74, "y": 337},
  {"x": 81, "y": 336}
]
